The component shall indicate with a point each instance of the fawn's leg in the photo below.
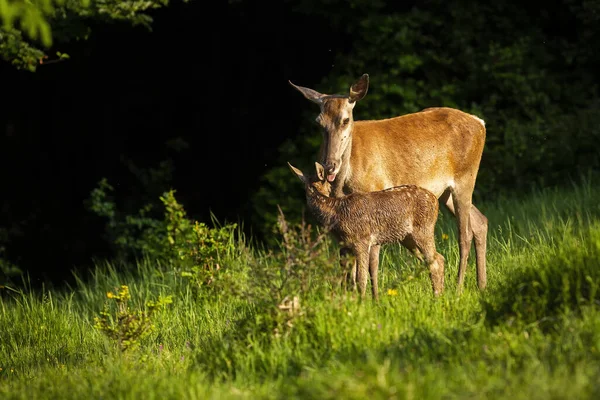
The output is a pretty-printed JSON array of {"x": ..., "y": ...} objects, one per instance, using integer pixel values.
[
  {"x": 410, "y": 244},
  {"x": 348, "y": 264},
  {"x": 425, "y": 242},
  {"x": 374, "y": 268},
  {"x": 436, "y": 274},
  {"x": 362, "y": 265}
]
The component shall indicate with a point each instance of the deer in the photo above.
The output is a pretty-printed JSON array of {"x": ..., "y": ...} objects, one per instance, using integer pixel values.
[
  {"x": 437, "y": 148},
  {"x": 403, "y": 214}
]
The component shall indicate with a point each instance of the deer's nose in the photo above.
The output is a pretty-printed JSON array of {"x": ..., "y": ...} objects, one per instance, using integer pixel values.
[{"x": 330, "y": 167}]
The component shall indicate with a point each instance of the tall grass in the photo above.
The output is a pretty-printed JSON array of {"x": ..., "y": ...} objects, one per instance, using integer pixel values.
[{"x": 534, "y": 333}]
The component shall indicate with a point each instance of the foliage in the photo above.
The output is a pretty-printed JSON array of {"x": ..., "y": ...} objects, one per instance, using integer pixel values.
[
  {"x": 535, "y": 87},
  {"x": 131, "y": 235},
  {"x": 209, "y": 252},
  {"x": 30, "y": 27},
  {"x": 123, "y": 325},
  {"x": 193, "y": 247},
  {"x": 8, "y": 269},
  {"x": 31, "y": 16},
  {"x": 175, "y": 237},
  {"x": 302, "y": 266}
]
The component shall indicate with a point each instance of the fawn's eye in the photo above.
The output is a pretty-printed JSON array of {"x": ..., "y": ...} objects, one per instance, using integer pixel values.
[{"x": 345, "y": 121}]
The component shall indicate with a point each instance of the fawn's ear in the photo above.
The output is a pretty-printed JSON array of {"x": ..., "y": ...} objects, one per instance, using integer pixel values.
[
  {"x": 298, "y": 173},
  {"x": 320, "y": 171}
]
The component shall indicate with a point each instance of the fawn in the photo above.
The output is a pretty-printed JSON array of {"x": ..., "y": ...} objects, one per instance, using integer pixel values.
[{"x": 403, "y": 214}]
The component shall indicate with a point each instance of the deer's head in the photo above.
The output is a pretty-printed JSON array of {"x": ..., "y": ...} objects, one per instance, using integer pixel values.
[
  {"x": 314, "y": 182},
  {"x": 337, "y": 122}
]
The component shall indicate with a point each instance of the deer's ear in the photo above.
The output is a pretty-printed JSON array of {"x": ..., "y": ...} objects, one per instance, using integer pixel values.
[
  {"x": 359, "y": 89},
  {"x": 320, "y": 171},
  {"x": 310, "y": 94},
  {"x": 298, "y": 173}
]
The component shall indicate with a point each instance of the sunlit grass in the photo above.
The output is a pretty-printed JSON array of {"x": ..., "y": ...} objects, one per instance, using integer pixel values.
[{"x": 533, "y": 334}]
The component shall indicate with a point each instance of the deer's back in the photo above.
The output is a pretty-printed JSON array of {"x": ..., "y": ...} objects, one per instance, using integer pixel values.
[
  {"x": 386, "y": 216},
  {"x": 428, "y": 148}
]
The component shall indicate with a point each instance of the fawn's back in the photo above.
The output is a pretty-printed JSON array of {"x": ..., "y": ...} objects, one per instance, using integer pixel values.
[{"x": 386, "y": 216}]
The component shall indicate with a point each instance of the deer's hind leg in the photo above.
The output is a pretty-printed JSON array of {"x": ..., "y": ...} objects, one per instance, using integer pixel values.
[
  {"x": 410, "y": 244},
  {"x": 423, "y": 246},
  {"x": 479, "y": 225},
  {"x": 478, "y": 231},
  {"x": 459, "y": 203}
]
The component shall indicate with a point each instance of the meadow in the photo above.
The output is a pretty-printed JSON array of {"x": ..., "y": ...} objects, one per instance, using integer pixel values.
[{"x": 277, "y": 323}]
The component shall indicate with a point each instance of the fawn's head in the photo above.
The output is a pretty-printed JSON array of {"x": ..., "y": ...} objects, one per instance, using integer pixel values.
[
  {"x": 316, "y": 182},
  {"x": 337, "y": 122}
]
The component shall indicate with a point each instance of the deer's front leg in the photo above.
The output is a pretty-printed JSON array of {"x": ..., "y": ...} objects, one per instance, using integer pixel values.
[
  {"x": 362, "y": 264},
  {"x": 348, "y": 264},
  {"x": 374, "y": 269}
]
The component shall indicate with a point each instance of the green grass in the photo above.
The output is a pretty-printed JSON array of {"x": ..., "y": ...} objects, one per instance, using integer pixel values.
[{"x": 533, "y": 334}]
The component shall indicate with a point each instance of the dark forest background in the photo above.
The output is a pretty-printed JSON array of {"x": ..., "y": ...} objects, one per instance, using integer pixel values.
[{"x": 202, "y": 104}]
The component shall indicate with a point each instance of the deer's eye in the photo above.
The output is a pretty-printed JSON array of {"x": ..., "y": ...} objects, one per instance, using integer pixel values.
[{"x": 345, "y": 121}]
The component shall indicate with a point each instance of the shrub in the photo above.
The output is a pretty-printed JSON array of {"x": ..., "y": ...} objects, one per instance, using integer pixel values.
[
  {"x": 124, "y": 325},
  {"x": 192, "y": 248}
]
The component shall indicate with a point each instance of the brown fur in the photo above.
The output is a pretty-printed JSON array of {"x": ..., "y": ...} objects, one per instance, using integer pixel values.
[
  {"x": 405, "y": 214},
  {"x": 438, "y": 149}
]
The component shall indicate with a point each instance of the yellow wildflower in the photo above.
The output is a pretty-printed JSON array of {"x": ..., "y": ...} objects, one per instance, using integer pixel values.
[
  {"x": 124, "y": 293},
  {"x": 110, "y": 295},
  {"x": 392, "y": 292},
  {"x": 444, "y": 236}
]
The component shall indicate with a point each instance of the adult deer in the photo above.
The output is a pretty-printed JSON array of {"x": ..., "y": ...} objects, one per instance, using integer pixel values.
[{"x": 438, "y": 149}]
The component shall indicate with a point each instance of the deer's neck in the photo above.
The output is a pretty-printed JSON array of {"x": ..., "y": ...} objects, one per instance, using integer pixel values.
[
  {"x": 337, "y": 187},
  {"x": 322, "y": 207}
]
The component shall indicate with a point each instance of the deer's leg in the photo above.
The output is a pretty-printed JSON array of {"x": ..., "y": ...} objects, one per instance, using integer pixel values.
[
  {"x": 460, "y": 205},
  {"x": 478, "y": 229},
  {"x": 348, "y": 264},
  {"x": 362, "y": 265},
  {"x": 411, "y": 245},
  {"x": 374, "y": 269},
  {"x": 479, "y": 225},
  {"x": 425, "y": 243},
  {"x": 436, "y": 274}
]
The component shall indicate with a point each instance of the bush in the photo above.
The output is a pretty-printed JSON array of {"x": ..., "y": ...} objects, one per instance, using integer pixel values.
[
  {"x": 192, "y": 248},
  {"x": 124, "y": 325}
]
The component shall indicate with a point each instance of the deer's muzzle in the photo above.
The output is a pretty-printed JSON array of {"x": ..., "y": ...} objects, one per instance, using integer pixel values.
[{"x": 332, "y": 171}]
